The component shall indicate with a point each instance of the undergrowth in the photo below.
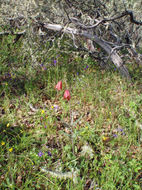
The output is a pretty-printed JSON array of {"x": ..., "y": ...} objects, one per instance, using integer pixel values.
[{"x": 36, "y": 135}]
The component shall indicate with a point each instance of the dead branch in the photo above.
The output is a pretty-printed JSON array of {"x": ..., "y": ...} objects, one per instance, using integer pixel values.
[
  {"x": 115, "y": 58},
  {"x": 98, "y": 22},
  {"x": 12, "y": 33},
  {"x": 110, "y": 26},
  {"x": 17, "y": 34}
]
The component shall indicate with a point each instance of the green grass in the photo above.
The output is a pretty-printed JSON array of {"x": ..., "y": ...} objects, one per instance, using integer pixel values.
[{"x": 106, "y": 111}]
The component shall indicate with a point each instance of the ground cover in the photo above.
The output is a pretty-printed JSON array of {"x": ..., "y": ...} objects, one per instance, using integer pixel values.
[{"x": 91, "y": 141}]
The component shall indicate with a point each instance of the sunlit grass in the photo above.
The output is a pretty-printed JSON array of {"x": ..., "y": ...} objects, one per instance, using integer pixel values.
[{"x": 35, "y": 129}]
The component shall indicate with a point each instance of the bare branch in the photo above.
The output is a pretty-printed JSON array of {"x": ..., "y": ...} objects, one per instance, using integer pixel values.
[
  {"x": 130, "y": 13},
  {"x": 113, "y": 55},
  {"x": 98, "y": 22},
  {"x": 17, "y": 33}
]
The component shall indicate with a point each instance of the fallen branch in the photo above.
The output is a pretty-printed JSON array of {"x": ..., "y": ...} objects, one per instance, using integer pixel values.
[
  {"x": 115, "y": 58},
  {"x": 11, "y": 33},
  {"x": 17, "y": 34}
]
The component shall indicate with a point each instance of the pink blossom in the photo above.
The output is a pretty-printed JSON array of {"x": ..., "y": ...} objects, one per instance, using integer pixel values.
[
  {"x": 67, "y": 95},
  {"x": 59, "y": 85}
]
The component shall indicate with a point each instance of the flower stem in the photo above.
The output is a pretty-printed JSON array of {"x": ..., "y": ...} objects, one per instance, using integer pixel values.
[{"x": 71, "y": 124}]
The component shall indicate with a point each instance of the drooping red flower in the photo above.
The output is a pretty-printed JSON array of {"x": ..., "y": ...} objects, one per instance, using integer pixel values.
[
  {"x": 59, "y": 85},
  {"x": 67, "y": 95}
]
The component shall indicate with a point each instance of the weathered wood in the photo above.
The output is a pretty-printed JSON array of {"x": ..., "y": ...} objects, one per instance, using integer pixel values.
[{"x": 115, "y": 58}]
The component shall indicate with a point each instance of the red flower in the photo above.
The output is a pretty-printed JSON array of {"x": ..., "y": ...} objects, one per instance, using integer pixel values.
[
  {"x": 67, "y": 95},
  {"x": 59, "y": 85}
]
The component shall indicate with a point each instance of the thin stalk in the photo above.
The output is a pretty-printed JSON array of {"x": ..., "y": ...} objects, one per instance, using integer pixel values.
[{"x": 71, "y": 124}]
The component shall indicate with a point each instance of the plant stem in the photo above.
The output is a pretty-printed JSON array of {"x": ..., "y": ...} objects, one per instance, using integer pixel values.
[{"x": 71, "y": 124}]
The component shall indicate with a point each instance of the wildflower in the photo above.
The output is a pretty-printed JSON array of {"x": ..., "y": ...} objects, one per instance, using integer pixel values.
[
  {"x": 44, "y": 68},
  {"x": 56, "y": 107},
  {"x": 49, "y": 153},
  {"x": 42, "y": 111},
  {"x": 67, "y": 95},
  {"x": 10, "y": 149},
  {"x": 55, "y": 61},
  {"x": 40, "y": 154},
  {"x": 2, "y": 143},
  {"x": 86, "y": 67},
  {"x": 59, "y": 85},
  {"x": 120, "y": 130},
  {"x": 105, "y": 139},
  {"x": 114, "y": 135},
  {"x": 7, "y": 125}
]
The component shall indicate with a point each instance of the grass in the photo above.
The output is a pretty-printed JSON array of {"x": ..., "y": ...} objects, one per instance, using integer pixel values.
[{"x": 37, "y": 139}]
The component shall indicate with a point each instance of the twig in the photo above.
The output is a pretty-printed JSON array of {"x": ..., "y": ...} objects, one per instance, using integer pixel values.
[{"x": 127, "y": 12}]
